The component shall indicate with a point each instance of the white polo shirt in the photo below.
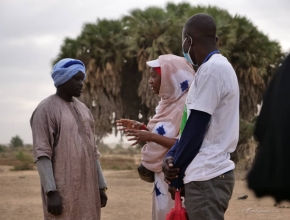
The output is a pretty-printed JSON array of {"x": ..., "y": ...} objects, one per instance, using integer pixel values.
[{"x": 215, "y": 90}]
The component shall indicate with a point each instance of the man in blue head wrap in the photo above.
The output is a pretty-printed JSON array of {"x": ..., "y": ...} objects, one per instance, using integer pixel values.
[{"x": 73, "y": 185}]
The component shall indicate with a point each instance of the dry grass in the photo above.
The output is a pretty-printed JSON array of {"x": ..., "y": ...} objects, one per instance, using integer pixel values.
[
  {"x": 129, "y": 198},
  {"x": 111, "y": 159},
  {"x": 119, "y": 162},
  {"x": 19, "y": 158}
]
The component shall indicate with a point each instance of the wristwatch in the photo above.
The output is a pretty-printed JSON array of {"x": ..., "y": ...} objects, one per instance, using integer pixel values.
[{"x": 104, "y": 189}]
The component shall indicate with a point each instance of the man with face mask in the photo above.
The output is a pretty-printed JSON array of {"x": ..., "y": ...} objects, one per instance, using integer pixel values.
[{"x": 200, "y": 161}]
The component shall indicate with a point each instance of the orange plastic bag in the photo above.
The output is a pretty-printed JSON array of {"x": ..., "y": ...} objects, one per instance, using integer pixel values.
[{"x": 178, "y": 212}]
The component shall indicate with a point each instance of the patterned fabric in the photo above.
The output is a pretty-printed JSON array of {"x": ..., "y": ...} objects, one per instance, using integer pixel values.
[
  {"x": 161, "y": 198},
  {"x": 176, "y": 77},
  {"x": 64, "y": 132}
]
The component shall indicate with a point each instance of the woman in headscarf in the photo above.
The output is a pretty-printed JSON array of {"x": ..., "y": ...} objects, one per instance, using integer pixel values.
[
  {"x": 269, "y": 175},
  {"x": 170, "y": 78}
]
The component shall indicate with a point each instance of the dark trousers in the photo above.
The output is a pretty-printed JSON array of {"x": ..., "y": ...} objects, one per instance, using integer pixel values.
[{"x": 208, "y": 200}]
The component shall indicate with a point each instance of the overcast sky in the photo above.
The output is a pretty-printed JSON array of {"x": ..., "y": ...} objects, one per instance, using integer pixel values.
[{"x": 31, "y": 32}]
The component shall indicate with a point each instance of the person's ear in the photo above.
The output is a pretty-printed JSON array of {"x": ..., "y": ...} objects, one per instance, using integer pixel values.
[{"x": 217, "y": 40}]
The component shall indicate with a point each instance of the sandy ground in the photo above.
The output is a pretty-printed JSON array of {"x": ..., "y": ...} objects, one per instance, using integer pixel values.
[{"x": 129, "y": 199}]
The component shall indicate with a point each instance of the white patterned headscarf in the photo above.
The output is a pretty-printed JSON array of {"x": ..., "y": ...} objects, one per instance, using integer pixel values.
[{"x": 176, "y": 77}]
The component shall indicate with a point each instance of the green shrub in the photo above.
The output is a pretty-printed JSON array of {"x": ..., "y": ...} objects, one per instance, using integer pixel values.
[
  {"x": 3, "y": 155},
  {"x": 16, "y": 142},
  {"x": 24, "y": 161},
  {"x": 103, "y": 148},
  {"x": 119, "y": 147},
  {"x": 132, "y": 150},
  {"x": 2, "y": 148}
]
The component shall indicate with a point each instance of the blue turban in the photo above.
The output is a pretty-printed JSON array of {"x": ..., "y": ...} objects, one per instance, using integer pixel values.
[{"x": 65, "y": 69}]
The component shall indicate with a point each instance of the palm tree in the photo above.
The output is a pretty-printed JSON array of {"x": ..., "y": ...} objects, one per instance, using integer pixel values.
[
  {"x": 100, "y": 47},
  {"x": 147, "y": 37},
  {"x": 115, "y": 53},
  {"x": 254, "y": 57}
]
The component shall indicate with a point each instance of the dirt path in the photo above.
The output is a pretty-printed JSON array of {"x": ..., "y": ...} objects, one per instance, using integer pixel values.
[{"x": 129, "y": 199}]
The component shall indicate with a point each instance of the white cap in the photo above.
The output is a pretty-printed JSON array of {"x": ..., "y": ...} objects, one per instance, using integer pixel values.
[{"x": 153, "y": 63}]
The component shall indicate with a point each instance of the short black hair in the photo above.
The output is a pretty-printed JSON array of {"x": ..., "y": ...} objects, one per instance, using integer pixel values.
[{"x": 200, "y": 25}]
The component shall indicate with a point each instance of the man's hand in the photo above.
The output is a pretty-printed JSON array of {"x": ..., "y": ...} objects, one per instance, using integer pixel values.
[
  {"x": 170, "y": 173},
  {"x": 172, "y": 191},
  {"x": 103, "y": 197},
  {"x": 139, "y": 136},
  {"x": 54, "y": 203}
]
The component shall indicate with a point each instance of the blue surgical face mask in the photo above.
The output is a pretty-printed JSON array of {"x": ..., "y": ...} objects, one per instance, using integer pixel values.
[{"x": 186, "y": 55}]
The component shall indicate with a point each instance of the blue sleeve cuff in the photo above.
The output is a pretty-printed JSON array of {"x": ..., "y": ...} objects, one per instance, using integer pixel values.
[{"x": 169, "y": 154}]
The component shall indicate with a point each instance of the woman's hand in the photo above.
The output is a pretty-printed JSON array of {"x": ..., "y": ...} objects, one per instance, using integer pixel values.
[
  {"x": 128, "y": 124},
  {"x": 139, "y": 136}
]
